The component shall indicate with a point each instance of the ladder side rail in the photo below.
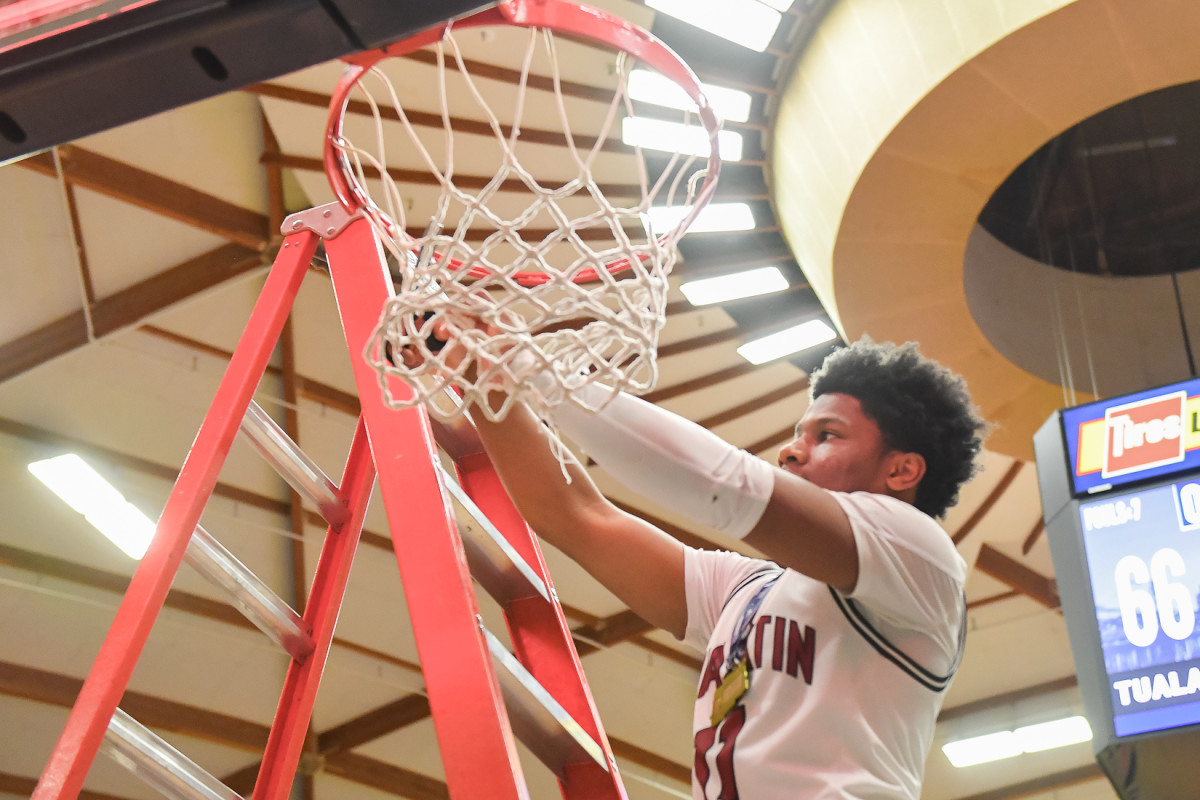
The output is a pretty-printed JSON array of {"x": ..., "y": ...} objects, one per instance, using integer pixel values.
[
  {"x": 540, "y": 633},
  {"x": 286, "y": 741},
  {"x": 247, "y": 592},
  {"x": 158, "y": 764},
  {"x": 479, "y": 752},
  {"x": 300, "y": 471},
  {"x": 76, "y": 748}
]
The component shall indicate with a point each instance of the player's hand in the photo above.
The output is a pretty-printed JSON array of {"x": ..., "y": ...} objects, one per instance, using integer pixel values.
[{"x": 447, "y": 338}]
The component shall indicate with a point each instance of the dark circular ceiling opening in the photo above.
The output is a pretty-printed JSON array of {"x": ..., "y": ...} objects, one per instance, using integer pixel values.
[{"x": 1116, "y": 195}]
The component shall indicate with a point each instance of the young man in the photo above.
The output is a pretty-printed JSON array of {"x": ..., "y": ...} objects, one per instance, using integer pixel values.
[{"x": 825, "y": 666}]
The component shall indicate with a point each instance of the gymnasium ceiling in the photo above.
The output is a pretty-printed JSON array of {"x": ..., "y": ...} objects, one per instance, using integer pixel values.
[{"x": 880, "y": 132}]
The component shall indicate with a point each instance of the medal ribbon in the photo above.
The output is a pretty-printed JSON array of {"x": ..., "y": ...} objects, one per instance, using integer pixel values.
[{"x": 741, "y": 631}]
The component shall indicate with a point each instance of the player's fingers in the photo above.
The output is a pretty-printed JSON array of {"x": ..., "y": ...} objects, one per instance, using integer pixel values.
[{"x": 411, "y": 358}]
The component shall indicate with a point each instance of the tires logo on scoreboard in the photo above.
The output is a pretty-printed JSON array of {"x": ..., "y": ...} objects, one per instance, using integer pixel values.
[{"x": 1145, "y": 434}]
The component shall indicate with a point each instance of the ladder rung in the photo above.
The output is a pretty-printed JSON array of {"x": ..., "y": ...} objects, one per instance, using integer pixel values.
[
  {"x": 494, "y": 562},
  {"x": 538, "y": 719},
  {"x": 293, "y": 464},
  {"x": 158, "y": 764},
  {"x": 249, "y": 594}
]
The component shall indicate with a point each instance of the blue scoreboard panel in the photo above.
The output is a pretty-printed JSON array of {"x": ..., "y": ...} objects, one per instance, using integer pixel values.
[
  {"x": 1143, "y": 560},
  {"x": 1120, "y": 486}
]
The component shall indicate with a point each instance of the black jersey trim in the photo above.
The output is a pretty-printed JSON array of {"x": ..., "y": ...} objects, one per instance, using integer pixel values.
[
  {"x": 758, "y": 573},
  {"x": 889, "y": 651}
]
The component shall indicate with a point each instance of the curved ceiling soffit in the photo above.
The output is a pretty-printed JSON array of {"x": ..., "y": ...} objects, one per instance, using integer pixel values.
[{"x": 899, "y": 124}]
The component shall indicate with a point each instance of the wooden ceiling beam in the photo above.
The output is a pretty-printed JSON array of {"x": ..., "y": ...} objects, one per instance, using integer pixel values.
[
  {"x": 996, "y": 598},
  {"x": 423, "y": 177},
  {"x": 196, "y": 605},
  {"x": 41, "y": 436},
  {"x": 1042, "y": 785},
  {"x": 43, "y": 344},
  {"x": 52, "y": 688},
  {"x": 773, "y": 441},
  {"x": 58, "y": 441},
  {"x": 385, "y": 777},
  {"x": 367, "y": 727},
  {"x": 460, "y": 125},
  {"x": 242, "y": 780},
  {"x": 700, "y": 383},
  {"x": 373, "y": 724},
  {"x": 757, "y": 403},
  {"x": 685, "y": 306},
  {"x": 89, "y": 170},
  {"x": 126, "y": 307},
  {"x": 651, "y": 761},
  {"x": 176, "y": 284},
  {"x": 726, "y": 191},
  {"x": 989, "y": 502},
  {"x": 619, "y": 627},
  {"x": 1032, "y": 537},
  {"x": 732, "y": 334},
  {"x": 1007, "y": 698},
  {"x": 701, "y": 266},
  {"x": 582, "y": 91},
  {"x": 61, "y": 569},
  {"x": 1009, "y": 571},
  {"x": 23, "y": 787}
]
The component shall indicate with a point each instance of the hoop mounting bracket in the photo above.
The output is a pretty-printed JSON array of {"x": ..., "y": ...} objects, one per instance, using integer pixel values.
[{"x": 326, "y": 221}]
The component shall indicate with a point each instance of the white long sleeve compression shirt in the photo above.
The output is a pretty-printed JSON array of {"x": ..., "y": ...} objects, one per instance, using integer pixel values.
[{"x": 672, "y": 461}]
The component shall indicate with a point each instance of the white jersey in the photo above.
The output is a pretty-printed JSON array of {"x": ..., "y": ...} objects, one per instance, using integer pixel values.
[{"x": 844, "y": 688}]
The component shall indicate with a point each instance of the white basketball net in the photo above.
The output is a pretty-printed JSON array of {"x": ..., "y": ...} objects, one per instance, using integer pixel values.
[{"x": 571, "y": 284}]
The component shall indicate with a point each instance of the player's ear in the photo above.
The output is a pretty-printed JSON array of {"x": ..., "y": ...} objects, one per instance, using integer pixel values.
[{"x": 905, "y": 471}]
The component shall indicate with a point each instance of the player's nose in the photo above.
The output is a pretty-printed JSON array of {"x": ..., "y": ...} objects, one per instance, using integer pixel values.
[{"x": 794, "y": 452}]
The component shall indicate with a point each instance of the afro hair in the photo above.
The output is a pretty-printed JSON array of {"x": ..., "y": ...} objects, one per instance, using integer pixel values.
[{"x": 920, "y": 407}]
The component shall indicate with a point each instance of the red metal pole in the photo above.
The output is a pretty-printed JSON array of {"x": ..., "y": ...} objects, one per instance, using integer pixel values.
[
  {"x": 324, "y": 602},
  {"x": 478, "y": 750},
  {"x": 76, "y": 749},
  {"x": 540, "y": 634}
]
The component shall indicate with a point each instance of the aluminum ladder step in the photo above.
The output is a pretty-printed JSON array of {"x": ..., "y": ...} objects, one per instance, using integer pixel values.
[
  {"x": 158, "y": 764},
  {"x": 537, "y": 719}
]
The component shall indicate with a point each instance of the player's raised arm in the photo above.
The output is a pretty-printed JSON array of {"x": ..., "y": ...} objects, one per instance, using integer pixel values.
[
  {"x": 640, "y": 564},
  {"x": 883, "y": 420},
  {"x": 637, "y": 562}
]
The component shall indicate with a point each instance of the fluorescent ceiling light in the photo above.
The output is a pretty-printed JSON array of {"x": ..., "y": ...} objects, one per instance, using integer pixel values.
[
  {"x": 1057, "y": 733},
  {"x": 83, "y": 489},
  {"x": 1027, "y": 739},
  {"x": 746, "y": 22},
  {"x": 733, "y": 287},
  {"x": 648, "y": 86},
  {"x": 778, "y": 5},
  {"x": 982, "y": 749},
  {"x": 675, "y": 137},
  {"x": 787, "y": 342},
  {"x": 713, "y": 218}
]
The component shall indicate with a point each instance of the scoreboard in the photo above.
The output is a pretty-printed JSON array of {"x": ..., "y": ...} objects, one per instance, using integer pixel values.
[
  {"x": 1143, "y": 557},
  {"x": 1120, "y": 485}
]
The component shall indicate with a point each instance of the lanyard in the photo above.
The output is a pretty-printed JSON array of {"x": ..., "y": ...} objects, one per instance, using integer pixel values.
[
  {"x": 737, "y": 666},
  {"x": 741, "y": 631}
]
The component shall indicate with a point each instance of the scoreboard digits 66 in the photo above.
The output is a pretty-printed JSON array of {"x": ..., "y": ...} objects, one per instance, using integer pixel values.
[{"x": 1143, "y": 557}]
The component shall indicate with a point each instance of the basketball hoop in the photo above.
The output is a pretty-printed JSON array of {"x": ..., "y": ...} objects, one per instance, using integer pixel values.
[{"x": 571, "y": 282}]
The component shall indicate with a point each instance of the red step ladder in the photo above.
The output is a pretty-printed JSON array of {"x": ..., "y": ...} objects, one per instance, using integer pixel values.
[{"x": 480, "y": 694}]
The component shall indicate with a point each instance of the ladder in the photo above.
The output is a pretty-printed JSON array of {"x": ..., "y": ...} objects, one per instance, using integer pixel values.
[{"x": 480, "y": 695}]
